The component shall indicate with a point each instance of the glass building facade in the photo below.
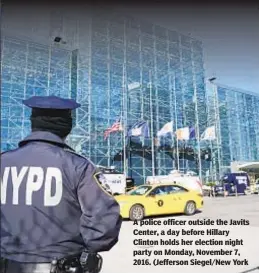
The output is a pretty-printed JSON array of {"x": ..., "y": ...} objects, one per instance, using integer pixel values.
[
  {"x": 28, "y": 69},
  {"x": 238, "y": 125},
  {"x": 236, "y": 116},
  {"x": 169, "y": 69},
  {"x": 165, "y": 66}
]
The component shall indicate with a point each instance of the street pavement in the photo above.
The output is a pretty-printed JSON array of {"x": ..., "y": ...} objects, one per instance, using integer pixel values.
[
  {"x": 243, "y": 208},
  {"x": 246, "y": 207}
]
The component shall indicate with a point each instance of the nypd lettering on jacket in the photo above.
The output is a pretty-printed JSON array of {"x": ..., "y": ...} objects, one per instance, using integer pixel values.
[{"x": 35, "y": 179}]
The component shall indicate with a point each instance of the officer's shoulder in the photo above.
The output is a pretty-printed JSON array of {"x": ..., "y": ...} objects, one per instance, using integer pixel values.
[
  {"x": 4, "y": 153},
  {"x": 8, "y": 152},
  {"x": 80, "y": 157}
]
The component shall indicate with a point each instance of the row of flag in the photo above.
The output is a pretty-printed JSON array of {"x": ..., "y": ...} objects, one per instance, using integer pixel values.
[
  {"x": 141, "y": 129},
  {"x": 187, "y": 133}
]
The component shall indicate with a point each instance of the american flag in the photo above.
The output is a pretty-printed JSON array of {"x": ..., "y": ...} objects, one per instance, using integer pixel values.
[{"x": 117, "y": 126}]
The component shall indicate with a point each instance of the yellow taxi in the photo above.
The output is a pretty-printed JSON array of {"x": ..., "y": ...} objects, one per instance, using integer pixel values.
[{"x": 158, "y": 199}]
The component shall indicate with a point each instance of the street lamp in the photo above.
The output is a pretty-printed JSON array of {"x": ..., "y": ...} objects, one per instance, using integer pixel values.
[{"x": 217, "y": 120}]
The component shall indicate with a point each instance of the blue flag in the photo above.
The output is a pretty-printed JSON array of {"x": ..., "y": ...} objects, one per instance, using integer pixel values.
[
  {"x": 192, "y": 133},
  {"x": 139, "y": 129}
]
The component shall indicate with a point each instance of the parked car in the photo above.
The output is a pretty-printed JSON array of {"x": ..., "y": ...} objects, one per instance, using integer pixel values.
[
  {"x": 234, "y": 183},
  {"x": 159, "y": 199}
]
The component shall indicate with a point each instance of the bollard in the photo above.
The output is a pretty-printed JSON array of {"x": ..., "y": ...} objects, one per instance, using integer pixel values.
[{"x": 224, "y": 190}]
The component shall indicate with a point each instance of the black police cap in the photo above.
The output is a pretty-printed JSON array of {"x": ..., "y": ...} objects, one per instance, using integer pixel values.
[{"x": 51, "y": 102}]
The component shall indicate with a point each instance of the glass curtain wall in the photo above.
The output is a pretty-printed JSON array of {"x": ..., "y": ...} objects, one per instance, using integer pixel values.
[{"x": 165, "y": 66}]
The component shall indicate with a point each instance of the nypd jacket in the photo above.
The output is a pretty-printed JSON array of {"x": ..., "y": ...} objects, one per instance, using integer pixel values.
[{"x": 53, "y": 202}]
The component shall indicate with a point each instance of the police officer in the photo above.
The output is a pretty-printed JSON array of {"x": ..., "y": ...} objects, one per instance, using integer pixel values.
[{"x": 54, "y": 202}]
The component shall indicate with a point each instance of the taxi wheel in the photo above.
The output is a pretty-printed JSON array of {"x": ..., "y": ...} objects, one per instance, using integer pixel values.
[
  {"x": 190, "y": 208},
  {"x": 136, "y": 213}
]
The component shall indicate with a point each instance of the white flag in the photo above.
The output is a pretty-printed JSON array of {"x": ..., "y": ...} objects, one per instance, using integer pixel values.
[
  {"x": 167, "y": 128},
  {"x": 133, "y": 85},
  {"x": 183, "y": 133},
  {"x": 209, "y": 133}
]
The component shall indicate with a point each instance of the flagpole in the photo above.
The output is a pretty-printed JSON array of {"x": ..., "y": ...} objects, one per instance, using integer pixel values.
[
  {"x": 124, "y": 111},
  {"x": 198, "y": 131},
  {"x": 211, "y": 162},
  {"x": 217, "y": 125},
  {"x": 196, "y": 117},
  {"x": 152, "y": 129},
  {"x": 172, "y": 115},
  {"x": 176, "y": 122}
]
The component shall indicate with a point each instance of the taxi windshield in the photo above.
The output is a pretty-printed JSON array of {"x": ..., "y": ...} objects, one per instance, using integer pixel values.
[{"x": 140, "y": 190}]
